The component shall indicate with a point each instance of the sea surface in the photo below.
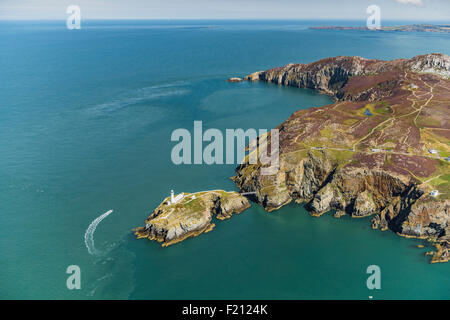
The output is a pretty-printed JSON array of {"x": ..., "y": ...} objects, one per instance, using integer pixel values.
[{"x": 85, "y": 123}]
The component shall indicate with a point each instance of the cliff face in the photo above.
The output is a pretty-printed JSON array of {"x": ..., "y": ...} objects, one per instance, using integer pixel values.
[
  {"x": 328, "y": 75},
  {"x": 191, "y": 216},
  {"x": 331, "y": 74},
  {"x": 369, "y": 153},
  {"x": 438, "y": 64}
]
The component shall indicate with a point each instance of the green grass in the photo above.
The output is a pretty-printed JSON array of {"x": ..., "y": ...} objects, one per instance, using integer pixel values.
[
  {"x": 441, "y": 180},
  {"x": 350, "y": 121},
  {"x": 327, "y": 132},
  {"x": 341, "y": 156},
  {"x": 194, "y": 205}
]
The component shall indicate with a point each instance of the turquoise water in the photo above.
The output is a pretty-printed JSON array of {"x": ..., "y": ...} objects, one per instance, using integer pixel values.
[{"x": 85, "y": 124}]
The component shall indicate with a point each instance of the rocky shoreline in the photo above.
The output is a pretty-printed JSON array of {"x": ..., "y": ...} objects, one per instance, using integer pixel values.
[
  {"x": 380, "y": 150},
  {"x": 341, "y": 158},
  {"x": 171, "y": 223}
]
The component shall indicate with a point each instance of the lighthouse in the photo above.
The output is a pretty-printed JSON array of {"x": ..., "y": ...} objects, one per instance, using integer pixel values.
[{"x": 174, "y": 199}]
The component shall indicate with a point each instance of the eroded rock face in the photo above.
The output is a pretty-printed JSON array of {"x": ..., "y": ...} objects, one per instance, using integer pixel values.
[
  {"x": 426, "y": 218},
  {"x": 323, "y": 185},
  {"x": 327, "y": 75},
  {"x": 367, "y": 154},
  {"x": 191, "y": 216},
  {"x": 438, "y": 64},
  {"x": 331, "y": 74}
]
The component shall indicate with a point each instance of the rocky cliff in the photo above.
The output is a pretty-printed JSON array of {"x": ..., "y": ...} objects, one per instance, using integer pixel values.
[
  {"x": 191, "y": 216},
  {"x": 381, "y": 150},
  {"x": 330, "y": 75}
]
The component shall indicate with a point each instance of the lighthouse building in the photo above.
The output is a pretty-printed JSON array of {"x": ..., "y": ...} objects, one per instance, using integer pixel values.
[{"x": 174, "y": 199}]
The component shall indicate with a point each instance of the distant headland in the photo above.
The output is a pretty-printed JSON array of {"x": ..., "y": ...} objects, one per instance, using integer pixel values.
[{"x": 404, "y": 28}]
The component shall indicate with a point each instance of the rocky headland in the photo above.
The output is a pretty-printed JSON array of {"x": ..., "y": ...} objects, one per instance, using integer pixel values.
[
  {"x": 380, "y": 150},
  {"x": 193, "y": 215}
]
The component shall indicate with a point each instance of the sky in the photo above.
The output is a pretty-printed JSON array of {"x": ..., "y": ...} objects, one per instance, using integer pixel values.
[{"x": 411, "y": 10}]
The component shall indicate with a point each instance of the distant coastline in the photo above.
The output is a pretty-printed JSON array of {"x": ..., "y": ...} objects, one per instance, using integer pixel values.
[{"x": 404, "y": 28}]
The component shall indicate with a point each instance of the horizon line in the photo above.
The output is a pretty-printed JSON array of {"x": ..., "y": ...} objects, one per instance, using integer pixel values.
[{"x": 215, "y": 19}]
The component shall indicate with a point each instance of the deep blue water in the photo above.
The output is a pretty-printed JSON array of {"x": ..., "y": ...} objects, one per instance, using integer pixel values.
[{"x": 85, "y": 124}]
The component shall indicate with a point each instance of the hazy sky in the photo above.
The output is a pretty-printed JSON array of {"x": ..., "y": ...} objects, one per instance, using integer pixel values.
[{"x": 226, "y": 9}]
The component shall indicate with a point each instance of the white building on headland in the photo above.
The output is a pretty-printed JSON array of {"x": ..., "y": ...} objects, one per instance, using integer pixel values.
[
  {"x": 433, "y": 151},
  {"x": 174, "y": 199}
]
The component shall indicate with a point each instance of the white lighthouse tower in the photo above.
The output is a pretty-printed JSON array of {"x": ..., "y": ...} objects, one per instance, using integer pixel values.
[{"x": 174, "y": 199}]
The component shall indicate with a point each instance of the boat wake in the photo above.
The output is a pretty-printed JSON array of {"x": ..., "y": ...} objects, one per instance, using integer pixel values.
[
  {"x": 89, "y": 234},
  {"x": 142, "y": 95}
]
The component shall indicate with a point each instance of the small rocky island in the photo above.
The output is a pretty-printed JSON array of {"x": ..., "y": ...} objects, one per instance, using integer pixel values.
[
  {"x": 189, "y": 215},
  {"x": 381, "y": 150}
]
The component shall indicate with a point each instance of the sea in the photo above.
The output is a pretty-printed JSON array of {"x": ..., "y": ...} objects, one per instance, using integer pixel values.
[{"x": 86, "y": 118}]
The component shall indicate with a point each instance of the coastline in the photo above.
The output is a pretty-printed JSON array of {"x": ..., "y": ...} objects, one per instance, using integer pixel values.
[
  {"x": 365, "y": 172},
  {"x": 331, "y": 183}
]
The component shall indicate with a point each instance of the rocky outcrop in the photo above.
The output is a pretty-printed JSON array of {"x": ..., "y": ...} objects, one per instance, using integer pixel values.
[
  {"x": 320, "y": 182},
  {"x": 327, "y": 75},
  {"x": 438, "y": 64},
  {"x": 235, "y": 79},
  {"x": 191, "y": 216},
  {"x": 330, "y": 75},
  {"x": 343, "y": 158}
]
